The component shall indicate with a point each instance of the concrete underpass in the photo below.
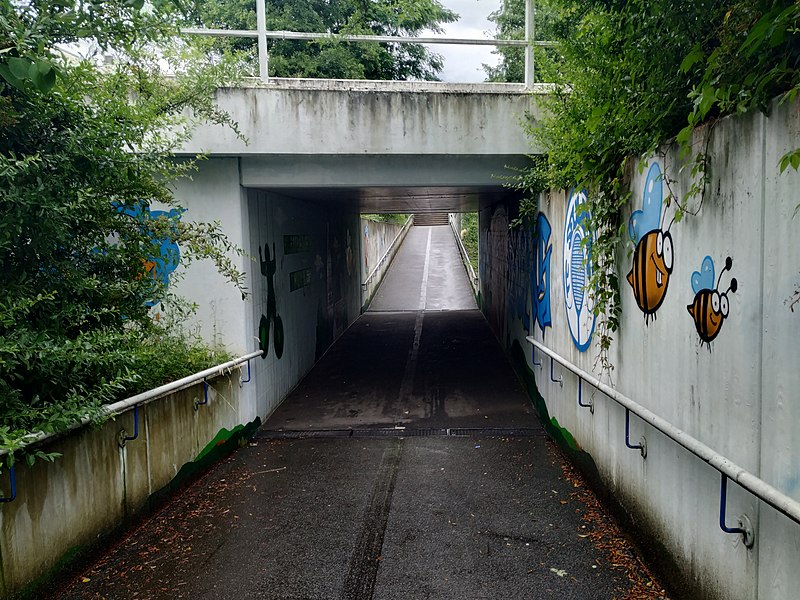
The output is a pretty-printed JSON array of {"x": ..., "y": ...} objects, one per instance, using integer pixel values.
[
  {"x": 398, "y": 453},
  {"x": 407, "y": 464}
]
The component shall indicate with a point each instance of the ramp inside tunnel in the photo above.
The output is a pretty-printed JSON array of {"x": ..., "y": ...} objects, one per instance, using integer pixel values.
[
  {"x": 427, "y": 274},
  {"x": 421, "y": 358}
]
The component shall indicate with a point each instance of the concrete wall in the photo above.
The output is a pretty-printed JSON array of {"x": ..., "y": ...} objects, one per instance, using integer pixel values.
[
  {"x": 306, "y": 285},
  {"x": 64, "y": 506},
  {"x": 315, "y": 284},
  {"x": 736, "y": 391},
  {"x": 317, "y": 117},
  {"x": 376, "y": 239}
]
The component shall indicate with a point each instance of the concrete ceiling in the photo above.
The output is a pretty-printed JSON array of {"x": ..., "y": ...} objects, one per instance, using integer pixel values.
[{"x": 401, "y": 199}]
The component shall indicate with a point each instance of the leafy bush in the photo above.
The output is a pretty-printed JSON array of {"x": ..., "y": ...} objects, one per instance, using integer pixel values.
[
  {"x": 469, "y": 228},
  {"x": 396, "y": 219},
  {"x": 84, "y": 152},
  {"x": 633, "y": 75}
]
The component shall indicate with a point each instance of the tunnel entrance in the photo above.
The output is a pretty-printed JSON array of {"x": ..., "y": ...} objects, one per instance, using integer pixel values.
[
  {"x": 427, "y": 274},
  {"x": 421, "y": 358}
]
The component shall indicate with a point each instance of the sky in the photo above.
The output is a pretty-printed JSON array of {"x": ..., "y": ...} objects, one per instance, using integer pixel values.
[{"x": 462, "y": 64}]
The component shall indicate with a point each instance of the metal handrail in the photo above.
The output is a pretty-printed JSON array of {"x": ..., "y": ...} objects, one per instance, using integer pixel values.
[
  {"x": 382, "y": 259},
  {"x": 395, "y": 39},
  {"x": 756, "y": 486},
  {"x": 123, "y": 406},
  {"x": 262, "y": 35},
  {"x": 473, "y": 278}
]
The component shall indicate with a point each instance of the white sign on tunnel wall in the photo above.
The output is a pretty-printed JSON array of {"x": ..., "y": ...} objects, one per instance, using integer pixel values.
[{"x": 577, "y": 271}]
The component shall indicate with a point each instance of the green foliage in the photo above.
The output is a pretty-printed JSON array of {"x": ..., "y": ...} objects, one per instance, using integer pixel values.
[
  {"x": 81, "y": 149},
  {"x": 396, "y": 219},
  {"x": 469, "y": 231},
  {"x": 510, "y": 25},
  {"x": 633, "y": 75},
  {"x": 331, "y": 58}
]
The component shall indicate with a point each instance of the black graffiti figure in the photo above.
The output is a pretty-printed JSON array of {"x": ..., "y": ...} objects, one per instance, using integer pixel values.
[{"x": 268, "y": 268}]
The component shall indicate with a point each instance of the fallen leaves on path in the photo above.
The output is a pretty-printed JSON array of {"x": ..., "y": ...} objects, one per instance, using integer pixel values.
[{"x": 607, "y": 536}]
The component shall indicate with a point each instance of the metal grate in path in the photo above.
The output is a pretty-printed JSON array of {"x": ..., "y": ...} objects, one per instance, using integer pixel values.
[{"x": 398, "y": 432}]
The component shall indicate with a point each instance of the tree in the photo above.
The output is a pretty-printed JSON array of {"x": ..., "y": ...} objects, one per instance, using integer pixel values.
[
  {"x": 632, "y": 76},
  {"x": 334, "y": 59},
  {"x": 510, "y": 22},
  {"x": 84, "y": 155}
]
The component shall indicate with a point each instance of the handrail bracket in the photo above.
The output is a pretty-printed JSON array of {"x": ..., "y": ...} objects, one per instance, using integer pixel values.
[
  {"x": 745, "y": 527},
  {"x": 642, "y": 445}
]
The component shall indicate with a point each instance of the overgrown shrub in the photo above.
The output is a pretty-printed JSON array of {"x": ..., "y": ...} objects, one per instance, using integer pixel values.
[
  {"x": 85, "y": 151},
  {"x": 634, "y": 75}
]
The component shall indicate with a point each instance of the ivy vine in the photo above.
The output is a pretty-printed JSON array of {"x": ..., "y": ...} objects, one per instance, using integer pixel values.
[{"x": 633, "y": 76}]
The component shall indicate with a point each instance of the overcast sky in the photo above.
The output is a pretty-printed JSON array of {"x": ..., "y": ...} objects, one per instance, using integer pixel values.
[{"x": 462, "y": 64}]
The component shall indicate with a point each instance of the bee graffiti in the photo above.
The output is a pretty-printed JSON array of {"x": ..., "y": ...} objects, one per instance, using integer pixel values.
[
  {"x": 540, "y": 280},
  {"x": 710, "y": 307},
  {"x": 653, "y": 258},
  {"x": 272, "y": 319}
]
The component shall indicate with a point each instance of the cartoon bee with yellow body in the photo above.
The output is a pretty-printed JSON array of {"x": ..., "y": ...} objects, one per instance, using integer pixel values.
[
  {"x": 653, "y": 257},
  {"x": 710, "y": 307}
]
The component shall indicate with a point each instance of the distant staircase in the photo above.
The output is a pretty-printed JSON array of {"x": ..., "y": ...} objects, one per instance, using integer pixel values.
[{"x": 430, "y": 219}]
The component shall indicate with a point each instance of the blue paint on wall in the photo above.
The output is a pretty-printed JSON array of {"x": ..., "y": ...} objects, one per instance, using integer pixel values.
[
  {"x": 577, "y": 271},
  {"x": 540, "y": 274},
  {"x": 162, "y": 264},
  {"x": 649, "y": 218}
]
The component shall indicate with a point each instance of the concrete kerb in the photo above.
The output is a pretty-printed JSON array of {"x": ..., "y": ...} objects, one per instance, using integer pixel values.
[{"x": 90, "y": 495}]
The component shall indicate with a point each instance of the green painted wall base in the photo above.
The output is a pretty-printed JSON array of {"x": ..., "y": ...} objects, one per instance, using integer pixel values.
[{"x": 78, "y": 558}]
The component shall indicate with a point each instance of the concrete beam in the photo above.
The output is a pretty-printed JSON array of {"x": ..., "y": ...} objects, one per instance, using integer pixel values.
[{"x": 334, "y": 117}]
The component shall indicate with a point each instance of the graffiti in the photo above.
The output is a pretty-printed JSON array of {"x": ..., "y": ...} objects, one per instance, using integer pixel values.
[
  {"x": 653, "y": 258},
  {"x": 495, "y": 269},
  {"x": 348, "y": 253},
  {"x": 159, "y": 267},
  {"x": 540, "y": 273},
  {"x": 578, "y": 271},
  {"x": 794, "y": 299},
  {"x": 519, "y": 258},
  {"x": 271, "y": 319},
  {"x": 366, "y": 249},
  {"x": 710, "y": 307}
]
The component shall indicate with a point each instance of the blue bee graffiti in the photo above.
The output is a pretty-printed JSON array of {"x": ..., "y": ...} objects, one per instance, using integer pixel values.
[
  {"x": 578, "y": 271},
  {"x": 653, "y": 258},
  {"x": 540, "y": 273},
  {"x": 709, "y": 309}
]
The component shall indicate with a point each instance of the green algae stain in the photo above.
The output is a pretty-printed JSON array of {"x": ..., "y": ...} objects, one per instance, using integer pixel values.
[
  {"x": 35, "y": 589},
  {"x": 221, "y": 438},
  {"x": 223, "y": 444},
  {"x": 561, "y": 435}
]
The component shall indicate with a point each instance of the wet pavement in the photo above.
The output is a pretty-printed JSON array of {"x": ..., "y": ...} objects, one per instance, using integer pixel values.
[
  {"x": 427, "y": 274},
  {"x": 408, "y": 464}
]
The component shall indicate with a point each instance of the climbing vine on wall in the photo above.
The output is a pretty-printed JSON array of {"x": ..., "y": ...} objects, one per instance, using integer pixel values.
[{"x": 638, "y": 74}]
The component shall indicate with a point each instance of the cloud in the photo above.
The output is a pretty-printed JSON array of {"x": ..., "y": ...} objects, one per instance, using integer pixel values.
[{"x": 463, "y": 64}]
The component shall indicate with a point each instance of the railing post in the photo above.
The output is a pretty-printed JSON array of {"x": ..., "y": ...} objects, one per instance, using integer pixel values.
[
  {"x": 530, "y": 36},
  {"x": 261, "y": 24}
]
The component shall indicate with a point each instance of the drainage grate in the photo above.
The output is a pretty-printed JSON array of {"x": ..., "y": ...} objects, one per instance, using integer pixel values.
[
  {"x": 496, "y": 432},
  {"x": 393, "y": 432}
]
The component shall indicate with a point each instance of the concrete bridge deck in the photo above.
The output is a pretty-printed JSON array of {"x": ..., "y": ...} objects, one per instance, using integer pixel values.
[{"x": 358, "y": 508}]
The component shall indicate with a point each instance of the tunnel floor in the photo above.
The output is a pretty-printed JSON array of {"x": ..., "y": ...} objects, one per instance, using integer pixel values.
[{"x": 408, "y": 464}]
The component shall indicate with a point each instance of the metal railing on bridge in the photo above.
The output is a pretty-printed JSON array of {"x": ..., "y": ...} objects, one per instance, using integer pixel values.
[{"x": 262, "y": 35}]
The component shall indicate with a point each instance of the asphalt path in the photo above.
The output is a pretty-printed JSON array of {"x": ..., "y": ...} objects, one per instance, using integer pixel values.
[{"x": 408, "y": 464}]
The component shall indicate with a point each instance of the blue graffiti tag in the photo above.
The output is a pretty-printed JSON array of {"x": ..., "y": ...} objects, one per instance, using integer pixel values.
[{"x": 540, "y": 273}]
